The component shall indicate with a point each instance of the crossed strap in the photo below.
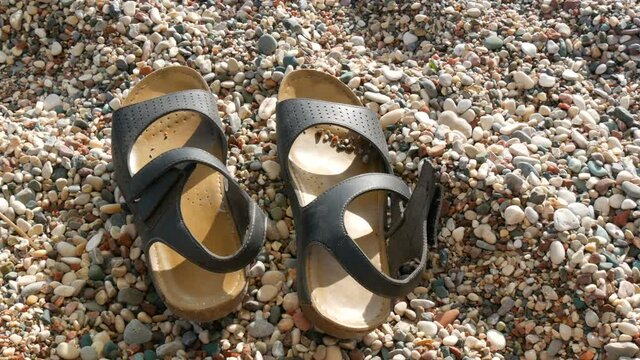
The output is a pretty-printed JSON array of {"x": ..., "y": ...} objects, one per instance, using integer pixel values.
[
  {"x": 408, "y": 239},
  {"x": 170, "y": 228}
]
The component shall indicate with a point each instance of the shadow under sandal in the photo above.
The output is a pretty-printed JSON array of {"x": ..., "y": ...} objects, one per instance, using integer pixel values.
[
  {"x": 354, "y": 251},
  {"x": 199, "y": 229}
]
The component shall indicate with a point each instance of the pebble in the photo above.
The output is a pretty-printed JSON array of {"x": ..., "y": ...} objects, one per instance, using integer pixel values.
[
  {"x": 556, "y": 252},
  {"x": 569, "y": 75},
  {"x": 88, "y": 353},
  {"x": 391, "y": 117},
  {"x": 267, "y": 293},
  {"x": 546, "y": 81},
  {"x": 429, "y": 328},
  {"x": 529, "y": 49},
  {"x": 564, "y": 219},
  {"x": 64, "y": 291},
  {"x": 267, "y": 44},
  {"x": 129, "y": 8},
  {"x": 260, "y": 328},
  {"x": 496, "y": 340},
  {"x": 136, "y": 333},
  {"x": 621, "y": 349},
  {"x": 267, "y": 108},
  {"x": 450, "y": 119},
  {"x": 513, "y": 215},
  {"x": 67, "y": 350},
  {"x": 493, "y": 42},
  {"x": 523, "y": 80},
  {"x": 51, "y": 102},
  {"x": 377, "y": 97}
]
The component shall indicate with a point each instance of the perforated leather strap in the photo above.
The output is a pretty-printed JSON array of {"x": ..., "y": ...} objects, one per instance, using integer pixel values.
[
  {"x": 322, "y": 222},
  {"x": 171, "y": 229},
  {"x": 130, "y": 121},
  {"x": 297, "y": 115}
]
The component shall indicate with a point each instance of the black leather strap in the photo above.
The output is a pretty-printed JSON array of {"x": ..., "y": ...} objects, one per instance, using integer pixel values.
[
  {"x": 415, "y": 229},
  {"x": 130, "y": 121},
  {"x": 170, "y": 229},
  {"x": 322, "y": 221},
  {"x": 157, "y": 167},
  {"x": 297, "y": 115}
]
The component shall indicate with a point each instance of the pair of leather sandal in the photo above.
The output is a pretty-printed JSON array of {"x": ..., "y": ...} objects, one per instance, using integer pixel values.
[{"x": 362, "y": 234}]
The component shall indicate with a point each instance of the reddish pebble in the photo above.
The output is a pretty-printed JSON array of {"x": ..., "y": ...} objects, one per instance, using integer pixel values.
[
  {"x": 447, "y": 317},
  {"x": 587, "y": 355},
  {"x": 622, "y": 218},
  {"x": 146, "y": 70},
  {"x": 301, "y": 322}
]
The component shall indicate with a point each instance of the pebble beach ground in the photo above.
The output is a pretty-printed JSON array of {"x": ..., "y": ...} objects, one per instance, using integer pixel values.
[{"x": 529, "y": 109}]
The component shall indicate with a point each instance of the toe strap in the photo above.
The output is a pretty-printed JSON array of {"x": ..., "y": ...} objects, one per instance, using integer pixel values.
[{"x": 155, "y": 192}]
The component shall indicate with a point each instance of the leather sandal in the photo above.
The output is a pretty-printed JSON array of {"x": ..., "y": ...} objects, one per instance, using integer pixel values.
[
  {"x": 355, "y": 252},
  {"x": 199, "y": 229}
]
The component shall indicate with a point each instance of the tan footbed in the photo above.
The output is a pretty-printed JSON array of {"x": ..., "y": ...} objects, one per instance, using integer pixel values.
[
  {"x": 188, "y": 290},
  {"x": 339, "y": 305}
]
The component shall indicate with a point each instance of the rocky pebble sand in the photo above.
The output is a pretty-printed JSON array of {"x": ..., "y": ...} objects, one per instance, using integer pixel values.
[{"x": 528, "y": 109}]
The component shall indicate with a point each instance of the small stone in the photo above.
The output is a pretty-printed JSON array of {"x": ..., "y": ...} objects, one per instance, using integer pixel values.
[
  {"x": 267, "y": 293},
  {"x": 493, "y": 42},
  {"x": 448, "y": 317},
  {"x": 267, "y": 108},
  {"x": 301, "y": 321},
  {"x": 130, "y": 296},
  {"x": 391, "y": 117},
  {"x": 569, "y": 75},
  {"x": 554, "y": 348},
  {"x": 129, "y": 8},
  {"x": 169, "y": 349},
  {"x": 290, "y": 302},
  {"x": 409, "y": 39},
  {"x": 392, "y": 75},
  {"x": 621, "y": 349},
  {"x": 546, "y": 81},
  {"x": 496, "y": 340},
  {"x": 272, "y": 169},
  {"x": 52, "y": 101},
  {"x": 267, "y": 44},
  {"x": 523, "y": 80},
  {"x": 64, "y": 291},
  {"x": 429, "y": 328},
  {"x": 67, "y": 351},
  {"x": 529, "y": 49},
  {"x": 564, "y": 219},
  {"x": 451, "y": 119},
  {"x": 260, "y": 328},
  {"x": 88, "y": 353},
  {"x": 628, "y": 328},
  {"x": 377, "y": 97},
  {"x": 513, "y": 215},
  {"x": 400, "y": 308},
  {"x": 556, "y": 252},
  {"x": 56, "y": 48},
  {"x": 450, "y": 340},
  {"x": 136, "y": 333},
  {"x": 631, "y": 189}
]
